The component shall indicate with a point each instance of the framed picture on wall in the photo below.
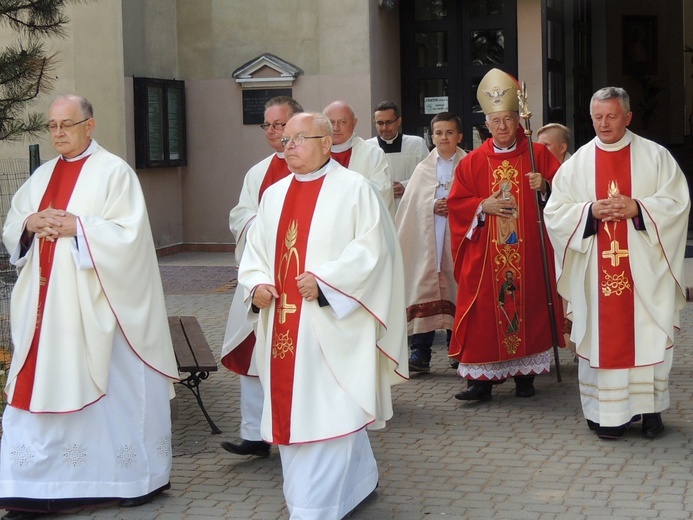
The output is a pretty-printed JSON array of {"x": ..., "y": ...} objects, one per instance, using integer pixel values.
[{"x": 640, "y": 45}]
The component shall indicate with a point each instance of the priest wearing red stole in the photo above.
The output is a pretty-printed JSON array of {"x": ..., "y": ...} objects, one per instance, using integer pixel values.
[
  {"x": 618, "y": 219},
  {"x": 88, "y": 415},
  {"x": 323, "y": 267},
  {"x": 352, "y": 152},
  {"x": 239, "y": 340},
  {"x": 502, "y": 326}
]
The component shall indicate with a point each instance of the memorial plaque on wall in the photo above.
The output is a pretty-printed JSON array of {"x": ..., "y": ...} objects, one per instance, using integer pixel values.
[{"x": 254, "y": 103}]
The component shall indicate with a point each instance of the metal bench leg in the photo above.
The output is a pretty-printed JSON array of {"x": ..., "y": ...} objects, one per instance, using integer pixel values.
[{"x": 193, "y": 383}]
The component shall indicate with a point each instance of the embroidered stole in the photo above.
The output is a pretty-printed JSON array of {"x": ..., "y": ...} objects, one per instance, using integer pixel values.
[
  {"x": 507, "y": 257},
  {"x": 291, "y": 244},
  {"x": 343, "y": 158},
  {"x": 616, "y": 300},
  {"x": 277, "y": 170},
  {"x": 57, "y": 195}
]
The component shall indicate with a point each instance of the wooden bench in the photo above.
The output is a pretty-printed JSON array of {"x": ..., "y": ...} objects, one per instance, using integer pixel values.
[{"x": 193, "y": 356}]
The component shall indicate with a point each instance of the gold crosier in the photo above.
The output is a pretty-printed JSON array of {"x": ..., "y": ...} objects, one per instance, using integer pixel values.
[
  {"x": 507, "y": 256},
  {"x": 614, "y": 284},
  {"x": 283, "y": 343}
]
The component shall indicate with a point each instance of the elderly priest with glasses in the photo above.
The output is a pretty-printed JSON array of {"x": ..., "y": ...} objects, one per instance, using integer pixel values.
[
  {"x": 88, "y": 416},
  {"x": 323, "y": 276}
]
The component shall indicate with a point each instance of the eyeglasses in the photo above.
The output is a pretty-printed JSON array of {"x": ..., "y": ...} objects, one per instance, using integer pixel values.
[
  {"x": 507, "y": 121},
  {"x": 298, "y": 139},
  {"x": 65, "y": 125},
  {"x": 276, "y": 126},
  {"x": 386, "y": 123}
]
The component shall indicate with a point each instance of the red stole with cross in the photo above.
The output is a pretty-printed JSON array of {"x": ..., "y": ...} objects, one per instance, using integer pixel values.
[
  {"x": 291, "y": 245},
  {"x": 343, "y": 158},
  {"x": 616, "y": 300},
  {"x": 57, "y": 195}
]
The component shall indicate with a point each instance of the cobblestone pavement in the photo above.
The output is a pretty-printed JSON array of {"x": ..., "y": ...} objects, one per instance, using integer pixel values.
[{"x": 508, "y": 458}]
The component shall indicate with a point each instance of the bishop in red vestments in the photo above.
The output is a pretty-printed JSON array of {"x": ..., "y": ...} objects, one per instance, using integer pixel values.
[{"x": 501, "y": 329}]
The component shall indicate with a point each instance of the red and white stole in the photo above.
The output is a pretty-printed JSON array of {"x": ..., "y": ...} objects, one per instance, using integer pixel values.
[
  {"x": 342, "y": 158},
  {"x": 277, "y": 170},
  {"x": 291, "y": 245},
  {"x": 616, "y": 297},
  {"x": 57, "y": 195}
]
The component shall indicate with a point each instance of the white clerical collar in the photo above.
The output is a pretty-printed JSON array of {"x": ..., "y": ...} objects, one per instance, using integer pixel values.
[
  {"x": 307, "y": 177},
  {"x": 345, "y": 145},
  {"x": 390, "y": 141},
  {"x": 510, "y": 148},
  {"x": 90, "y": 150},
  {"x": 618, "y": 145},
  {"x": 280, "y": 154}
]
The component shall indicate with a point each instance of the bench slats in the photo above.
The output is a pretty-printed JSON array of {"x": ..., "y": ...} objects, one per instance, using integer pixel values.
[
  {"x": 190, "y": 345},
  {"x": 198, "y": 343}
]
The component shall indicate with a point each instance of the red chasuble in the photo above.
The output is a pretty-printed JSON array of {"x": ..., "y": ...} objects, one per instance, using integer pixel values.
[
  {"x": 292, "y": 240},
  {"x": 342, "y": 158},
  {"x": 57, "y": 195},
  {"x": 616, "y": 300},
  {"x": 502, "y": 310},
  {"x": 238, "y": 360}
]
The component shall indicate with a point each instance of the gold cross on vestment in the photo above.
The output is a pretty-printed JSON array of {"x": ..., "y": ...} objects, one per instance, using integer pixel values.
[
  {"x": 285, "y": 308},
  {"x": 615, "y": 254}
]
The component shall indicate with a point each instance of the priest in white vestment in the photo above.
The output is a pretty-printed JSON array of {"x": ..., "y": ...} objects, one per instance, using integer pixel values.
[
  {"x": 323, "y": 267},
  {"x": 618, "y": 218},
  {"x": 88, "y": 415},
  {"x": 239, "y": 340},
  {"x": 352, "y": 152}
]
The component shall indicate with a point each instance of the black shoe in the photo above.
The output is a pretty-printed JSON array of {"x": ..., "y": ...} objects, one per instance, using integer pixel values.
[
  {"x": 20, "y": 515},
  {"x": 418, "y": 362},
  {"x": 611, "y": 433},
  {"x": 144, "y": 499},
  {"x": 257, "y": 448},
  {"x": 592, "y": 425},
  {"x": 476, "y": 392},
  {"x": 524, "y": 386},
  {"x": 652, "y": 425},
  {"x": 454, "y": 364}
]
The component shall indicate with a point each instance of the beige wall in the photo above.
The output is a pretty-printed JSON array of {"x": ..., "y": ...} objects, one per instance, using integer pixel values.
[
  {"x": 327, "y": 39},
  {"x": 529, "y": 60},
  {"x": 385, "y": 57},
  {"x": 91, "y": 64}
]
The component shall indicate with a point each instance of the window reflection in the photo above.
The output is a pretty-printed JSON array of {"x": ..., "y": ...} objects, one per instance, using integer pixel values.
[
  {"x": 430, "y": 10},
  {"x": 488, "y": 46},
  {"x": 432, "y": 49},
  {"x": 486, "y": 7}
]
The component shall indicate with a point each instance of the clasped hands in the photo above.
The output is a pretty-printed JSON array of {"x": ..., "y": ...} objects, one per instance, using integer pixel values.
[
  {"x": 615, "y": 208},
  {"x": 265, "y": 293},
  {"x": 52, "y": 224}
]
